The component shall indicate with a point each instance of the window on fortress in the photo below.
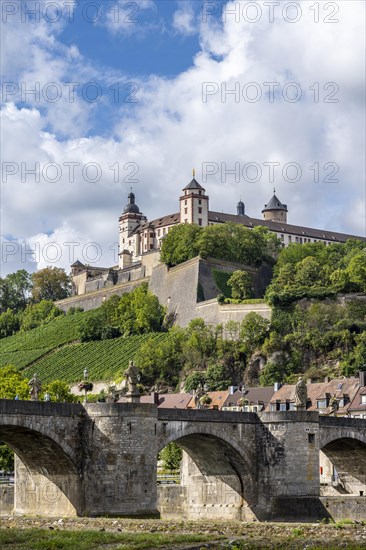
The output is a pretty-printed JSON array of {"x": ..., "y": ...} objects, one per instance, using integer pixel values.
[
  {"x": 164, "y": 230},
  {"x": 199, "y": 221},
  {"x": 200, "y": 202},
  {"x": 289, "y": 238},
  {"x": 200, "y": 210},
  {"x": 151, "y": 235},
  {"x": 151, "y": 246},
  {"x": 186, "y": 211},
  {"x": 158, "y": 232}
]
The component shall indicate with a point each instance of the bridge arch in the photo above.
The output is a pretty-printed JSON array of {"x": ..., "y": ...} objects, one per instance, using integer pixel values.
[
  {"x": 346, "y": 450},
  {"x": 219, "y": 456},
  {"x": 47, "y": 477}
]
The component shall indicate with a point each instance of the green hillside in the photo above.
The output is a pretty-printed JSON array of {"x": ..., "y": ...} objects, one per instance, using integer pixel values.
[
  {"x": 54, "y": 352},
  {"x": 104, "y": 359}
]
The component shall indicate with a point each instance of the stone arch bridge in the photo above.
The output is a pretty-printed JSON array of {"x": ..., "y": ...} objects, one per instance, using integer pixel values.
[{"x": 101, "y": 459}]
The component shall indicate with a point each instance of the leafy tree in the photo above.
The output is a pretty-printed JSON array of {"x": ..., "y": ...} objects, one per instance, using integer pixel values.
[
  {"x": 91, "y": 327},
  {"x": 194, "y": 381},
  {"x": 39, "y": 314},
  {"x": 308, "y": 272},
  {"x": 139, "y": 312},
  {"x": 161, "y": 362},
  {"x": 9, "y": 323},
  {"x": 180, "y": 244},
  {"x": 254, "y": 330},
  {"x": 228, "y": 241},
  {"x": 13, "y": 383},
  {"x": 217, "y": 377},
  {"x": 59, "y": 391},
  {"x": 357, "y": 270},
  {"x": 51, "y": 283},
  {"x": 6, "y": 458},
  {"x": 171, "y": 457},
  {"x": 14, "y": 290},
  {"x": 241, "y": 285}
]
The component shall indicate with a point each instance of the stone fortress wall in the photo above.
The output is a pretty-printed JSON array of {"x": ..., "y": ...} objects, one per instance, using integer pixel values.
[{"x": 178, "y": 289}]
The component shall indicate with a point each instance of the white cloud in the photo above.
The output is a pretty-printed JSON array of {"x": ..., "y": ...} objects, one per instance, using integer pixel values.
[
  {"x": 171, "y": 130},
  {"x": 126, "y": 17},
  {"x": 184, "y": 20}
]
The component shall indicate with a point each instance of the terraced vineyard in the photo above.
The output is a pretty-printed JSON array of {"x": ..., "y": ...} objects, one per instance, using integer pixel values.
[
  {"x": 104, "y": 359},
  {"x": 60, "y": 331},
  {"x": 54, "y": 352}
]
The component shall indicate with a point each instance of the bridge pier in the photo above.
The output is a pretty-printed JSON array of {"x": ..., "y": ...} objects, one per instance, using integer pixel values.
[
  {"x": 288, "y": 482},
  {"x": 119, "y": 461}
]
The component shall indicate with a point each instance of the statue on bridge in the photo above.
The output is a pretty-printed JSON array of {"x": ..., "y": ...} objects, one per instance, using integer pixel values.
[
  {"x": 132, "y": 377},
  {"x": 333, "y": 405},
  {"x": 301, "y": 394},
  {"x": 35, "y": 388}
]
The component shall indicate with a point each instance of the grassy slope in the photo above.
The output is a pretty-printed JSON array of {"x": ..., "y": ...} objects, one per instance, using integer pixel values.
[{"x": 53, "y": 351}]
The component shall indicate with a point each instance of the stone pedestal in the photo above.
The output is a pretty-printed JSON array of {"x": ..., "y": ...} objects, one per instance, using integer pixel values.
[{"x": 132, "y": 397}]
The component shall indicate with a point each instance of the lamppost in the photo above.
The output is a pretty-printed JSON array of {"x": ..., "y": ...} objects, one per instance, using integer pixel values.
[{"x": 86, "y": 375}]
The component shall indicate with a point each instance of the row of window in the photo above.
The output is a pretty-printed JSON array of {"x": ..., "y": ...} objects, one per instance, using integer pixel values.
[{"x": 302, "y": 240}]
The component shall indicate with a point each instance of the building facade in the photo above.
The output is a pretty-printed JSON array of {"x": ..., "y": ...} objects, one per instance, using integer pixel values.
[{"x": 138, "y": 236}]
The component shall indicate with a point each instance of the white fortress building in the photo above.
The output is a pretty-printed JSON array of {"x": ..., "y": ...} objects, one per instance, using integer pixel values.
[{"x": 138, "y": 236}]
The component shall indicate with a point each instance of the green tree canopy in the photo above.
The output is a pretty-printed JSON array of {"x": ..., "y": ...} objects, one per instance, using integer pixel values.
[
  {"x": 39, "y": 314},
  {"x": 241, "y": 285},
  {"x": 13, "y": 383},
  {"x": 180, "y": 244},
  {"x": 228, "y": 241},
  {"x": 9, "y": 323},
  {"x": 51, "y": 283},
  {"x": 15, "y": 290},
  {"x": 171, "y": 457}
]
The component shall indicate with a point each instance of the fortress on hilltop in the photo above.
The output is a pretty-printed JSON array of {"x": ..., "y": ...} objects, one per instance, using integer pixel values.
[
  {"x": 138, "y": 236},
  {"x": 139, "y": 254}
]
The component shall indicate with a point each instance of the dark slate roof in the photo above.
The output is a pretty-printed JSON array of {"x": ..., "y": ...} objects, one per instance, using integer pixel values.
[
  {"x": 280, "y": 227},
  {"x": 77, "y": 264},
  {"x": 275, "y": 204},
  {"x": 253, "y": 395},
  {"x": 171, "y": 219},
  {"x": 193, "y": 185}
]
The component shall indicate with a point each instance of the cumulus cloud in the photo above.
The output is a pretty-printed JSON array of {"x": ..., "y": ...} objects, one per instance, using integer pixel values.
[
  {"x": 206, "y": 117},
  {"x": 184, "y": 20}
]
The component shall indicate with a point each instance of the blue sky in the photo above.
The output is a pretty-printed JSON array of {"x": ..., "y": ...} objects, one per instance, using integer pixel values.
[
  {"x": 147, "y": 43},
  {"x": 226, "y": 87}
]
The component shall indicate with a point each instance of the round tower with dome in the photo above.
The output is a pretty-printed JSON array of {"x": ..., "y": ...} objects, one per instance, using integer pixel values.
[
  {"x": 129, "y": 237},
  {"x": 275, "y": 211}
]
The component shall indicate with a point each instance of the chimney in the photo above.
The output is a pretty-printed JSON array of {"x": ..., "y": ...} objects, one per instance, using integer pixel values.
[
  {"x": 308, "y": 381},
  {"x": 362, "y": 378},
  {"x": 326, "y": 379},
  {"x": 277, "y": 386},
  {"x": 233, "y": 389},
  {"x": 155, "y": 397}
]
